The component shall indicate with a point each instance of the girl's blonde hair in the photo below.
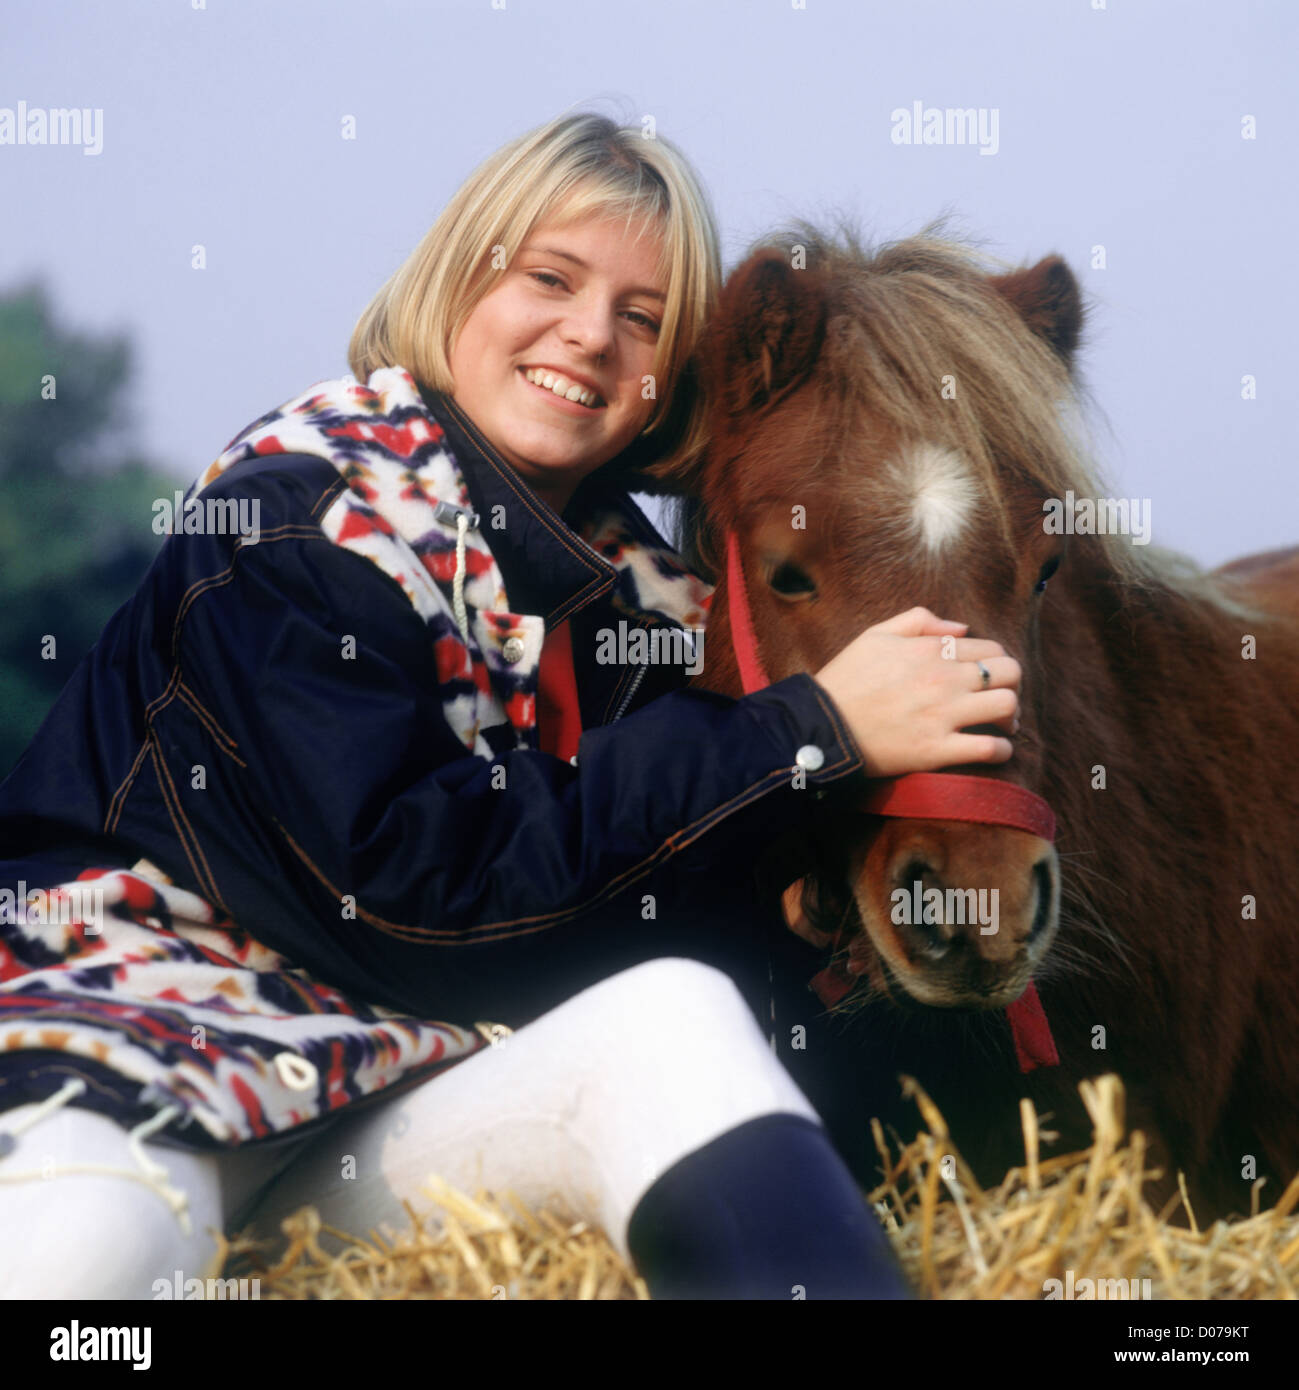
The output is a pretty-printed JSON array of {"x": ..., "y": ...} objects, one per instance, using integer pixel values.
[{"x": 570, "y": 168}]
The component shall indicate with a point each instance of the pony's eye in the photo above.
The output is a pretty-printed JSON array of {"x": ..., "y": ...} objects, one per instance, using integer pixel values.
[
  {"x": 1048, "y": 570},
  {"x": 792, "y": 582}
]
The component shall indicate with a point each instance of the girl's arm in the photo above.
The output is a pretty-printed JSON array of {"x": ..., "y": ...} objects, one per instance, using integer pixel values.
[{"x": 436, "y": 880}]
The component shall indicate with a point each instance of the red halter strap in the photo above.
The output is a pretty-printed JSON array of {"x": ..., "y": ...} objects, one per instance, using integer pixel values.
[
  {"x": 959, "y": 796},
  {"x": 919, "y": 795}
]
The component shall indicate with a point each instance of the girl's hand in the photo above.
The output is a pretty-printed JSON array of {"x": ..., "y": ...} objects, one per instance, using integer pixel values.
[{"x": 905, "y": 701}]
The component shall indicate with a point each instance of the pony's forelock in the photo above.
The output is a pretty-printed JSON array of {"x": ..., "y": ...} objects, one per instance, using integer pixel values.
[{"x": 921, "y": 344}]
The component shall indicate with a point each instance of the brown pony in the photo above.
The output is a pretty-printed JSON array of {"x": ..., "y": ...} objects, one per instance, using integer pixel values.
[{"x": 898, "y": 428}]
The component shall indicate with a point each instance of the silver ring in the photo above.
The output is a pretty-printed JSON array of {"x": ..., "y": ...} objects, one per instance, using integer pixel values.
[{"x": 984, "y": 673}]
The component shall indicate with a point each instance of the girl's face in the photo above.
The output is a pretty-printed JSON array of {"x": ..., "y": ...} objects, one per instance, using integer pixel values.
[{"x": 582, "y": 305}]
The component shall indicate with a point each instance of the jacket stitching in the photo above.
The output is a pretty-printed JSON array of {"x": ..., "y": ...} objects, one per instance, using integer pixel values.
[
  {"x": 206, "y": 876},
  {"x": 160, "y": 702},
  {"x": 185, "y": 833},
  {"x": 524, "y": 494},
  {"x": 841, "y": 731},
  {"x": 165, "y": 785},
  {"x": 328, "y": 495},
  {"x": 224, "y": 742},
  {"x": 679, "y": 839},
  {"x": 288, "y": 531},
  {"x": 174, "y": 687},
  {"x": 111, "y": 817},
  {"x": 156, "y": 706}
]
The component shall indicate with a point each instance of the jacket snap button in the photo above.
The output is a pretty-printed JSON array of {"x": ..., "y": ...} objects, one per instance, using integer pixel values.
[
  {"x": 809, "y": 757},
  {"x": 512, "y": 649},
  {"x": 296, "y": 1072}
]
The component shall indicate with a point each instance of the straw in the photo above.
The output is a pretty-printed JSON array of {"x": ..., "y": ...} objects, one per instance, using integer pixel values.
[{"x": 1080, "y": 1219}]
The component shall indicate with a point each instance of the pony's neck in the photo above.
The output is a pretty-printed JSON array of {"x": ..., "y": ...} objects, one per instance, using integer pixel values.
[{"x": 1144, "y": 700}]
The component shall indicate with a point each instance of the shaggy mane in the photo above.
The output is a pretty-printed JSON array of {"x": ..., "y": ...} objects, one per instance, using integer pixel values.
[{"x": 903, "y": 316}]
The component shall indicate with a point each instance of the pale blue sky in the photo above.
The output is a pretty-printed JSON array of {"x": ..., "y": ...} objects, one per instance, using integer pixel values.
[{"x": 1118, "y": 126}]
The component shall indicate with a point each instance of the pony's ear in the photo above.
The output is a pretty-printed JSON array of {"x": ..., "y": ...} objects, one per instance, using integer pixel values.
[
  {"x": 766, "y": 334},
  {"x": 1049, "y": 301}
]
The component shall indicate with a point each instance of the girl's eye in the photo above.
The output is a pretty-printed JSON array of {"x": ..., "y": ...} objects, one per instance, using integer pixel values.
[
  {"x": 643, "y": 319},
  {"x": 552, "y": 281}
]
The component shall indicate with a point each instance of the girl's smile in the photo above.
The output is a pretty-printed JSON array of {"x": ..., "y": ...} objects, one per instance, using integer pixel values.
[{"x": 565, "y": 389}]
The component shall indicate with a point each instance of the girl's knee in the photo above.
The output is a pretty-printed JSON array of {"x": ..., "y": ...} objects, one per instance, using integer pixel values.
[
  {"x": 672, "y": 1033},
  {"x": 670, "y": 988},
  {"x": 667, "y": 1018}
]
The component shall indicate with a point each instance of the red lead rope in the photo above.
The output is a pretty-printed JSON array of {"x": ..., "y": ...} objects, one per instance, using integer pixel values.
[{"x": 920, "y": 795}]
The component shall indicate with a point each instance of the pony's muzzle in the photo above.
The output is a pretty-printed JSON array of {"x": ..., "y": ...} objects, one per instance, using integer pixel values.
[{"x": 960, "y": 914}]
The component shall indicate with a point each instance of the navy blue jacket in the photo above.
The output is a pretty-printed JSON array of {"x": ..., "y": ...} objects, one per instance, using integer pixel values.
[{"x": 328, "y": 781}]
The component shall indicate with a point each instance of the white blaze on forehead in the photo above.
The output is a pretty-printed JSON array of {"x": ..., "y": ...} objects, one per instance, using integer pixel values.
[{"x": 942, "y": 493}]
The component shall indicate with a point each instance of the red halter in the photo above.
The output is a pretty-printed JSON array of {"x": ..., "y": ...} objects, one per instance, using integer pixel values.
[{"x": 920, "y": 795}]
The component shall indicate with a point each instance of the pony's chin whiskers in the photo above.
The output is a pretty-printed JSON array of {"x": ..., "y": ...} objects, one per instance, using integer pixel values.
[
  {"x": 864, "y": 993},
  {"x": 1081, "y": 930},
  {"x": 982, "y": 1030}
]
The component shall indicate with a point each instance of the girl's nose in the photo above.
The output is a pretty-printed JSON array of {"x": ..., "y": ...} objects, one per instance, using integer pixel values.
[{"x": 591, "y": 329}]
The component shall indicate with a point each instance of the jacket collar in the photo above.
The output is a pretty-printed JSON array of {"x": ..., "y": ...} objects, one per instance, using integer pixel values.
[{"x": 603, "y": 548}]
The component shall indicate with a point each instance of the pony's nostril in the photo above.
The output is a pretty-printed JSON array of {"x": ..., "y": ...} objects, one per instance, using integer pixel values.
[
  {"x": 914, "y": 872},
  {"x": 928, "y": 938},
  {"x": 928, "y": 941},
  {"x": 1042, "y": 917}
]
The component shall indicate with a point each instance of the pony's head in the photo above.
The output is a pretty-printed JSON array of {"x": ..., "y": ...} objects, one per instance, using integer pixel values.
[{"x": 885, "y": 430}]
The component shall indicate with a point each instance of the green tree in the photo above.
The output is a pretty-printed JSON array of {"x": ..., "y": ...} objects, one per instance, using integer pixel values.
[{"x": 76, "y": 515}]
